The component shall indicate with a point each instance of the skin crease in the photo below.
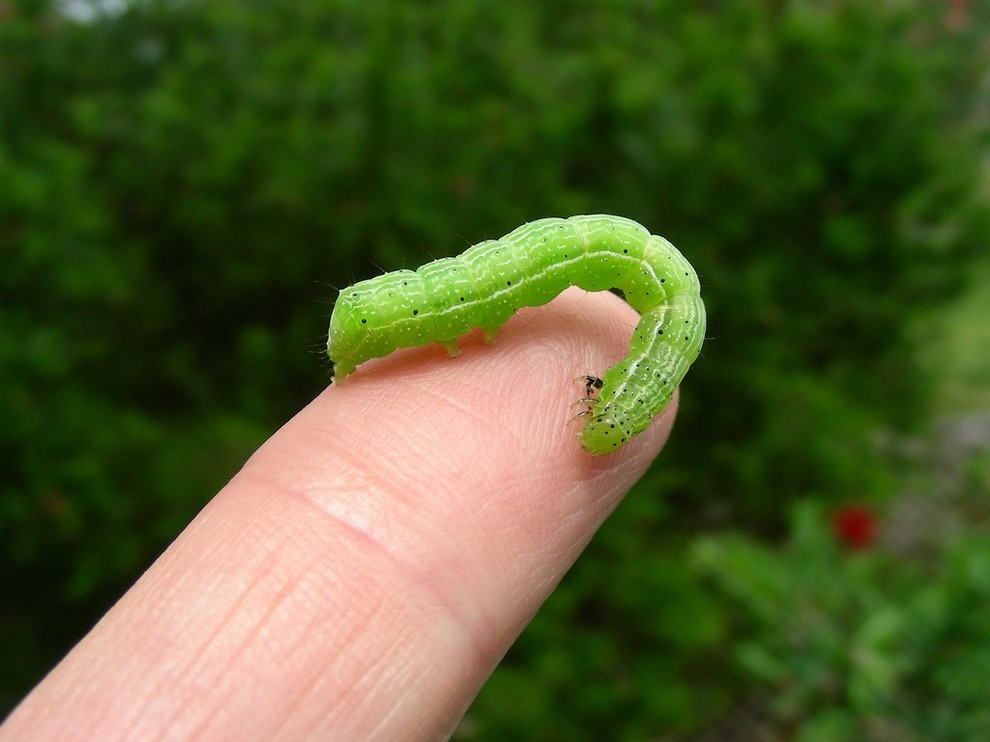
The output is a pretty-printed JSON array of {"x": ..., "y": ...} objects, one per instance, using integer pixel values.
[{"x": 365, "y": 571}]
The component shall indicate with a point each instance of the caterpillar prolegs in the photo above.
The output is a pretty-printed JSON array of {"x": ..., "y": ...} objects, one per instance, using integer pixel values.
[{"x": 491, "y": 281}]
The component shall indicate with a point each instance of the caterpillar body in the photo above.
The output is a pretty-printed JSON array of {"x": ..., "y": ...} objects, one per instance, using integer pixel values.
[{"x": 491, "y": 281}]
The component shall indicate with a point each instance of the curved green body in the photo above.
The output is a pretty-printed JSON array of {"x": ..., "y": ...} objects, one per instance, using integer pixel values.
[{"x": 490, "y": 281}]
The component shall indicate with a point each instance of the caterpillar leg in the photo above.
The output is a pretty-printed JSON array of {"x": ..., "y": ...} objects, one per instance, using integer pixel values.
[
  {"x": 490, "y": 335},
  {"x": 592, "y": 384},
  {"x": 451, "y": 346},
  {"x": 582, "y": 413}
]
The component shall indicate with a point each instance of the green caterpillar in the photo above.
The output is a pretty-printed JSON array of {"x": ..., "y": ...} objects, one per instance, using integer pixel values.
[{"x": 490, "y": 281}]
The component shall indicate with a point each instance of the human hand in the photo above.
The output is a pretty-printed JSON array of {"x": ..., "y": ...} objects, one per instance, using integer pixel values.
[{"x": 365, "y": 571}]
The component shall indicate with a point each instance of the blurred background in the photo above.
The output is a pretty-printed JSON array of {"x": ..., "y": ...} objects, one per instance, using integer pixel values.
[{"x": 184, "y": 183}]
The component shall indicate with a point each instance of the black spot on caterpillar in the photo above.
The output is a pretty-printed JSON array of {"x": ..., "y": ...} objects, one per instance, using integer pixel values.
[{"x": 488, "y": 282}]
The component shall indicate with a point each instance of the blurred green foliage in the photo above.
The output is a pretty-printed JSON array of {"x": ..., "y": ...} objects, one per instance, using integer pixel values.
[
  {"x": 184, "y": 183},
  {"x": 877, "y": 645}
]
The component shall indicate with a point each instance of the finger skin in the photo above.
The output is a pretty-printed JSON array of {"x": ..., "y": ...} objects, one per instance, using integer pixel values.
[{"x": 364, "y": 572}]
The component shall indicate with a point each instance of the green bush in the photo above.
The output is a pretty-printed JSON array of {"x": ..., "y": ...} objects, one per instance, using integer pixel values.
[
  {"x": 184, "y": 183},
  {"x": 869, "y": 645}
]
